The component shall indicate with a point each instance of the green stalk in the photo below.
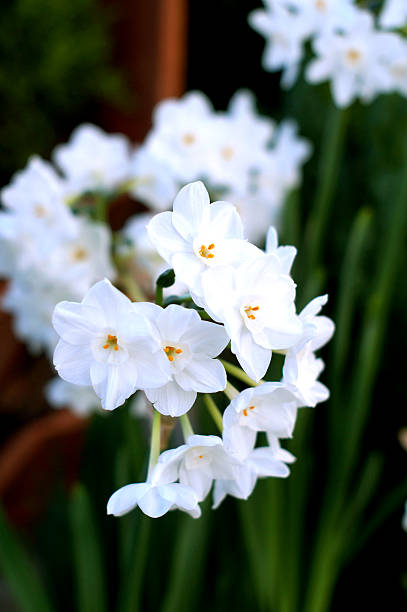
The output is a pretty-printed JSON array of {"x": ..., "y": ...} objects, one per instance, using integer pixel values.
[
  {"x": 19, "y": 573},
  {"x": 186, "y": 427},
  {"x": 238, "y": 373},
  {"x": 101, "y": 206},
  {"x": 132, "y": 582},
  {"x": 330, "y": 159},
  {"x": 90, "y": 578},
  {"x": 155, "y": 442},
  {"x": 159, "y": 295},
  {"x": 214, "y": 412}
]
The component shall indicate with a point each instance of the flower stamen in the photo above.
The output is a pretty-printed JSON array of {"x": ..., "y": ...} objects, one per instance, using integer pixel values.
[
  {"x": 249, "y": 311},
  {"x": 205, "y": 251},
  {"x": 111, "y": 342},
  {"x": 171, "y": 351}
]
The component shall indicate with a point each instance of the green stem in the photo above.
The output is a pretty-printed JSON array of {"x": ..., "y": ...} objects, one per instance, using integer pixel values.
[
  {"x": 330, "y": 158},
  {"x": 230, "y": 391},
  {"x": 214, "y": 412},
  {"x": 159, "y": 295},
  {"x": 155, "y": 442},
  {"x": 101, "y": 206},
  {"x": 239, "y": 373},
  {"x": 186, "y": 427}
]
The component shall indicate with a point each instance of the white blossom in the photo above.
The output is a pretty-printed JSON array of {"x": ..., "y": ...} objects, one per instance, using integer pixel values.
[
  {"x": 61, "y": 394},
  {"x": 255, "y": 302},
  {"x": 93, "y": 160},
  {"x": 107, "y": 344},
  {"x": 270, "y": 407},
  {"x": 190, "y": 346},
  {"x": 301, "y": 372},
  {"x": 155, "y": 497},
  {"x": 198, "y": 235},
  {"x": 151, "y": 180},
  {"x": 393, "y": 14}
]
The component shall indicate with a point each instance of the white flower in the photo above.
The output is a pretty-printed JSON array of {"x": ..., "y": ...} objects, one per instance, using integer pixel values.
[
  {"x": 61, "y": 394},
  {"x": 93, "y": 160},
  {"x": 147, "y": 263},
  {"x": 286, "y": 254},
  {"x": 179, "y": 135},
  {"x": 152, "y": 181},
  {"x": 31, "y": 299},
  {"x": 259, "y": 208},
  {"x": 198, "y": 462},
  {"x": 394, "y": 14},
  {"x": 317, "y": 328},
  {"x": 300, "y": 374},
  {"x": 285, "y": 33},
  {"x": 36, "y": 217},
  {"x": 107, "y": 344},
  {"x": 190, "y": 346},
  {"x": 259, "y": 463},
  {"x": 198, "y": 235},
  {"x": 155, "y": 497},
  {"x": 255, "y": 302},
  {"x": 270, "y": 407},
  {"x": 238, "y": 141},
  {"x": 81, "y": 261},
  {"x": 396, "y": 59},
  {"x": 354, "y": 60}
]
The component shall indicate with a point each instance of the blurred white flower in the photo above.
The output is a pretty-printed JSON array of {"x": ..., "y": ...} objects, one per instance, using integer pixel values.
[
  {"x": 255, "y": 302},
  {"x": 300, "y": 374},
  {"x": 179, "y": 135},
  {"x": 151, "y": 180},
  {"x": 393, "y": 14},
  {"x": 62, "y": 394},
  {"x": 106, "y": 344},
  {"x": 354, "y": 60},
  {"x": 286, "y": 254},
  {"x": 190, "y": 346},
  {"x": 93, "y": 160},
  {"x": 199, "y": 235}
]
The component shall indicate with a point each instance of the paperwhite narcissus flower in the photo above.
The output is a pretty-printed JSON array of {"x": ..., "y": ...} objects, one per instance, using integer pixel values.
[
  {"x": 81, "y": 261},
  {"x": 317, "y": 328},
  {"x": 267, "y": 461},
  {"x": 270, "y": 407},
  {"x": 179, "y": 135},
  {"x": 255, "y": 302},
  {"x": 354, "y": 61},
  {"x": 394, "y": 14},
  {"x": 286, "y": 254},
  {"x": 300, "y": 374},
  {"x": 189, "y": 346},
  {"x": 106, "y": 344},
  {"x": 199, "y": 235},
  {"x": 198, "y": 462},
  {"x": 155, "y": 497},
  {"x": 93, "y": 160},
  {"x": 151, "y": 180}
]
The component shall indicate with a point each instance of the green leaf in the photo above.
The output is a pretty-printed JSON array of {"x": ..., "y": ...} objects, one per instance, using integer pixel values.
[
  {"x": 90, "y": 579},
  {"x": 20, "y": 573}
]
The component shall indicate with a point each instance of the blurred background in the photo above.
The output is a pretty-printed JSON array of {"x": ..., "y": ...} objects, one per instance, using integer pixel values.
[{"x": 109, "y": 63}]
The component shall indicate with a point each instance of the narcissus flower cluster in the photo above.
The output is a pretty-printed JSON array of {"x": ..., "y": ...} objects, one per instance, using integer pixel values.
[
  {"x": 353, "y": 49},
  {"x": 240, "y": 302}
]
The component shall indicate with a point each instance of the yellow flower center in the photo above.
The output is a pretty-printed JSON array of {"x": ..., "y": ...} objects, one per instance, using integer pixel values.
[
  {"x": 39, "y": 211},
  {"x": 206, "y": 251},
  {"x": 353, "y": 56},
  {"x": 245, "y": 411},
  {"x": 227, "y": 153},
  {"x": 111, "y": 342},
  {"x": 320, "y": 5},
  {"x": 188, "y": 139},
  {"x": 79, "y": 254},
  {"x": 249, "y": 310},
  {"x": 172, "y": 352}
]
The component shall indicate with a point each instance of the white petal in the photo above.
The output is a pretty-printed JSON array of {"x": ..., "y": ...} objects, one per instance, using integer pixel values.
[
  {"x": 225, "y": 220},
  {"x": 265, "y": 463},
  {"x": 343, "y": 89},
  {"x": 180, "y": 495},
  {"x": 190, "y": 209},
  {"x": 204, "y": 375},
  {"x": 171, "y": 400},
  {"x": 110, "y": 300},
  {"x": 73, "y": 363},
  {"x": 165, "y": 237},
  {"x": 153, "y": 504},
  {"x": 253, "y": 358},
  {"x": 113, "y": 384},
  {"x": 76, "y": 323},
  {"x": 126, "y": 498},
  {"x": 207, "y": 339},
  {"x": 175, "y": 320}
]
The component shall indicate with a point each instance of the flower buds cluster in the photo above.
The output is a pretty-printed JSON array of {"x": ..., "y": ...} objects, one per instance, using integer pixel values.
[{"x": 241, "y": 295}]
